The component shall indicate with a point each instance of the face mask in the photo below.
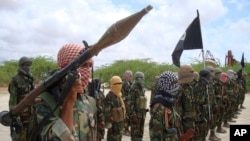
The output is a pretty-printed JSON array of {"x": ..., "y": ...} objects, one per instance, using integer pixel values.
[
  {"x": 25, "y": 68},
  {"x": 116, "y": 88},
  {"x": 139, "y": 80},
  {"x": 85, "y": 75}
]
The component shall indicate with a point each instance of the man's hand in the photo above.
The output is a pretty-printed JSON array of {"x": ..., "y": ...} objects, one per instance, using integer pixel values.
[{"x": 77, "y": 88}]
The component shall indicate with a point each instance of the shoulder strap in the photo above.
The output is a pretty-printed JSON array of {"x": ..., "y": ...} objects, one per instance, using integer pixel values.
[{"x": 49, "y": 99}]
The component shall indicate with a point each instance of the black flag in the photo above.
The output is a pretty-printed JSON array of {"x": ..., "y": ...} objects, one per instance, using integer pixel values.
[
  {"x": 242, "y": 62},
  {"x": 191, "y": 39},
  {"x": 242, "y": 65}
]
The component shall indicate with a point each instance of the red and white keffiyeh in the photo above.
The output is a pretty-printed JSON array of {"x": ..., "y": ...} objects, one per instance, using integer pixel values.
[{"x": 68, "y": 53}]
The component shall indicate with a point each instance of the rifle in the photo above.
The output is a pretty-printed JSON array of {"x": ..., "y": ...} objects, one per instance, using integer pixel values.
[{"x": 114, "y": 34}]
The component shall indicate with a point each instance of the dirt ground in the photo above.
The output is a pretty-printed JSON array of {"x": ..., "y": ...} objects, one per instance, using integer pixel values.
[{"x": 243, "y": 118}]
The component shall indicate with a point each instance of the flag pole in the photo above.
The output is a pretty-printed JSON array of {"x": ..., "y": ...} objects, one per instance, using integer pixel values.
[{"x": 203, "y": 58}]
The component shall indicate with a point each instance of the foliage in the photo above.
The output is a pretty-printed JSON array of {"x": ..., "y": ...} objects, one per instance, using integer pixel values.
[{"x": 43, "y": 65}]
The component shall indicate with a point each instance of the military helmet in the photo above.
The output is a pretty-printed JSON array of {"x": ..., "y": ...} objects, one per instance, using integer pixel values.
[
  {"x": 186, "y": 74},
  {"x": 23, "y": 60}
]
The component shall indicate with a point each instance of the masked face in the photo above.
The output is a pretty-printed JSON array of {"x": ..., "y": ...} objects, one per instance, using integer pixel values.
[
  {"x": 116, "y": 85},
  {"x": 25, "y": 68},
  {"x": 116, "y": 88},
  {"x": 68, "y": 53},
  {"x": 85, "y": 71},
  {"x": 139, "y": 80}
]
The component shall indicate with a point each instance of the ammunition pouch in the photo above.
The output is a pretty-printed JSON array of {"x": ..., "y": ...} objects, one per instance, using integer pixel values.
[
  {"x": 141, "y": 102},
  {"x": 117, "y": 114}
]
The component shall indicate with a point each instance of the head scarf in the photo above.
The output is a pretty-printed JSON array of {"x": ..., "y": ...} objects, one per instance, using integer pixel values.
[
  {"x": 68, "y": 53},
  {"x": 205, "y": 74},
  {"x": 168, "y": 82},
  {"x": 128, "y": 75},
  {"x": 223, "y": 77},
  {"x": 25, "y": 64}
]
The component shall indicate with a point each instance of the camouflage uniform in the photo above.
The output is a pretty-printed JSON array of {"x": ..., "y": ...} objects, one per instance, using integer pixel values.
[
  {"x": 138, "y": 107},
  {"x": 231, "y": 89},
  {"x": 219, "y": 108},
  {"x": 214, "y": 106},
  {"x": 154, "y": 88},
  {"x": 100, "y": 101},
  {"x": 94, "y": 87},
  {"x": 53, "y": 126},
  {"x": 226, "y": 102},
  {"x": 114, "y": 110},
  {"x": 126, "y": 87},
  {"x": 163, "y": 115},
  {"x": 244, "y": 86},
  {"x": 73, "y": 117},
  {"x": 19, "y": 87},
  {"x": 185, "y": 101}
]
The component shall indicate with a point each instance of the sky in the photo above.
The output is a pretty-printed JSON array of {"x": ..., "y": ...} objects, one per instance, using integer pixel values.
[{"x": 41, "y": 27}]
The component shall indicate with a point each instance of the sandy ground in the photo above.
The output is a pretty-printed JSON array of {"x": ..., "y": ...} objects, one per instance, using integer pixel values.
[{"x": 243, "y": 118}]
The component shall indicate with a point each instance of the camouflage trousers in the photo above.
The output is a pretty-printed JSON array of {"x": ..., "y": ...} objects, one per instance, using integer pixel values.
[
  {"x": 242, "y": 97},
  {"x": 115, "y": 132},
  {"x": 232, "y": 104},
  {"x": 100, "y": 133},
  {"x": 201, "y": 131},
  {"x": 137, "y": 130},
  {"x": 162, "y": 136}
]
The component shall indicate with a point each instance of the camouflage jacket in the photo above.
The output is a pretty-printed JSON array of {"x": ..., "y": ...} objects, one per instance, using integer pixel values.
[
  {"x": 126, "y": 87},
  {"x": 19, "y": 86},
  {"x": 54, "y": 129},
  {"x": 138, "y": 100},
  {"x": 218, "y": 90},
  {"x": 186, "y": 102},
  {"x": 112, "y": 102},
  {"x": 100, "y": 103}
]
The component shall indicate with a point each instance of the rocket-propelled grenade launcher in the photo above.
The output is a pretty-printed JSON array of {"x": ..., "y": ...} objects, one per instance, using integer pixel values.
[{"x": 114, "y": 34}]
